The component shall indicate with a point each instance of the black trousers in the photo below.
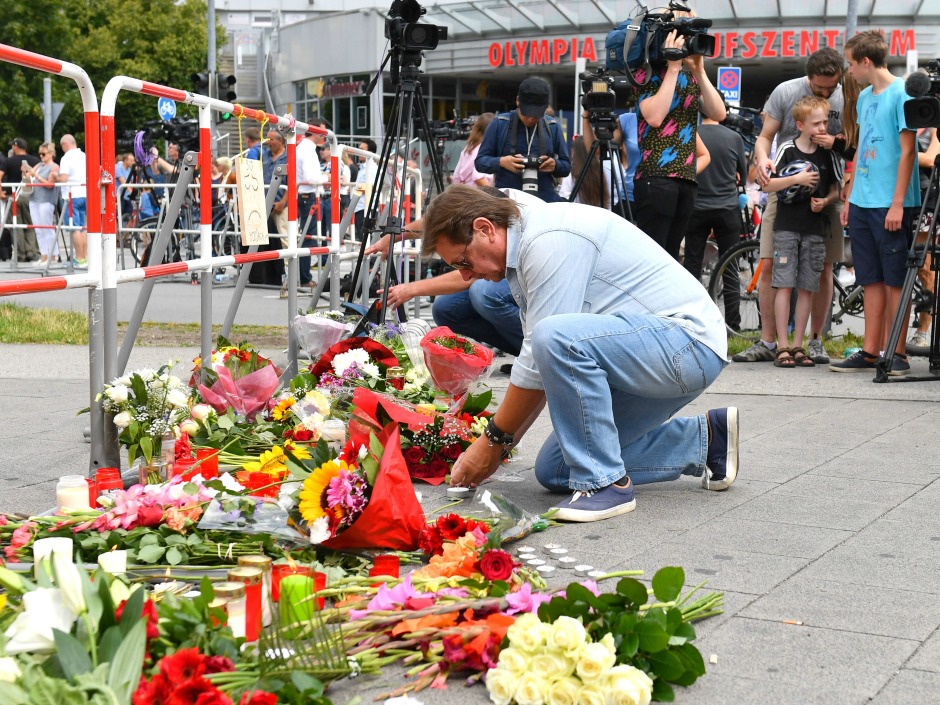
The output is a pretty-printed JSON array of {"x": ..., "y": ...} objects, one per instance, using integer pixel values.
[
  {"x": 663, "y": 209},
  {"x": 728, "y": 226}
]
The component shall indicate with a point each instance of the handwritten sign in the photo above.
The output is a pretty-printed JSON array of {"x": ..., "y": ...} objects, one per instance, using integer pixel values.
[{"x": 251, "y": 209}]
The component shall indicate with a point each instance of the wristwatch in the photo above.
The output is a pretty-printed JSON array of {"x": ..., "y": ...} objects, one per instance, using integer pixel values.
[{"x": 496, "y": 436}]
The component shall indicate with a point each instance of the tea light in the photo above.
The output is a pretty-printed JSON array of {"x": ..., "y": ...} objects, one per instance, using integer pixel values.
[
  {"x": 333, "y": 432},
  {"x": 525, "y": 549},
  {"x": 113, "y": 562},
  {"x": 546, "y": 569},
  {"x": 597, "y": 573},
  {"x": 458, "y": 492},
  {"x": 527, "y": 556},
  {"x": 567, "y": 562},
  {"x": 558, "y": 552},
  {"x": 535, "y": 562},
  {"x": 583, "y": 570},
  {"x": 549, "y": 547}
]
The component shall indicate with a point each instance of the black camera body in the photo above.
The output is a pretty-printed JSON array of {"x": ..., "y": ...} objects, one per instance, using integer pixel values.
[
  {"x": 746, "y": 122},
  {"x": 695, "y": 30},
  {"x": 599, "y": 99},
  {"x": 456, "y": 129},
  {"x": 924, "y": 86},
  {"x": 404, "y": 31},
  {"x": 533, "y": 162},
  {"x": 183, "y": 132}
]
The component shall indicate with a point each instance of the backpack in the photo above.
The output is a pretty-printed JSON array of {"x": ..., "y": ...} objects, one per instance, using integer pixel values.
[{"x": 632, "y": 45}]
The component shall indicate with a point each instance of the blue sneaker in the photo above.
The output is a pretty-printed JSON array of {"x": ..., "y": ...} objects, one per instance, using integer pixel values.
[
  {"x": 859, "y": 361},
  {"x": 722, "y": 459},
  {"x": 899, "y": 366},
  {"x": 594, "y": 505}
]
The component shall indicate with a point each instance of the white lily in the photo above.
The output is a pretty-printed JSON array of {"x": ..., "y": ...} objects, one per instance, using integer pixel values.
[
  {"x": 31, "y": 631},
  {"x": 9, "y": 670},
  {"x": 69, "y": 581}
]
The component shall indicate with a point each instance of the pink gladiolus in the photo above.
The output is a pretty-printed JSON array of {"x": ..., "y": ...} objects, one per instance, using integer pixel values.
[{"x": 525, "y": 600}]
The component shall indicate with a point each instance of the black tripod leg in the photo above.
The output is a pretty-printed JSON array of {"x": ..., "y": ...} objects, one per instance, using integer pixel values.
[{"x": 584, "y": 169}]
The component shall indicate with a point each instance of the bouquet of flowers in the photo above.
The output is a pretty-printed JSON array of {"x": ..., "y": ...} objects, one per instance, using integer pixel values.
[
  {"x": 353, "y": 362},
  {"x": 361, "y": 499},
  {"x": 454, "y": 362},
  {"x": 145, "y": 405},
  {"x": 237, "y": 378},
  {"x": 317, "y": 331}
]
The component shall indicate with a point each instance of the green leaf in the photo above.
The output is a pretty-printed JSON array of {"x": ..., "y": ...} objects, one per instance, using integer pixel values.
[
  {"x": 150, "y": 554},
  {"x": 628, "y": 647},
  {"x": 146, "y": 448},
  {"x": 666, "y": 665},
  {"x": 139, "y": 387},
  {"x": 109, "y": 644},
  {"x": 107, "y": 605},
  {"x": 174, "y": 556},
  {"x": 11, "y": 694},
  {"x": 126, "y": 668},
  {"x": 225, "y": 422},
  {"x": 633, "y": 590},
  {"x": 175, "y": 540},
  {"x": 578, "y": 593},
  {"x": 475, "y": 403},
  {"x": 71, "y": 654},
  {"x": 92, "y": 600},
  {"x": 133, "y": 609},
  {"x": 307, "y": 684},
  {"x": 663, "y": 692},
  {"x": 668, "y": 582},
  {"x": 11, "y": 581},
  {"x": 691, "y": 657},
  {"x": 653, "y": 636}
]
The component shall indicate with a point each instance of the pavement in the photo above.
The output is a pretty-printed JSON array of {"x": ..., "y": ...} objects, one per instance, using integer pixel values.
[{"x": 827, "y": 548}]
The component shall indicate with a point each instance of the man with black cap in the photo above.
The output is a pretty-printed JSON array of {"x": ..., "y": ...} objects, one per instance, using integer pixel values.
[
  {"x": 11, "y": 172},
  {"x": 526, "y": 136}
]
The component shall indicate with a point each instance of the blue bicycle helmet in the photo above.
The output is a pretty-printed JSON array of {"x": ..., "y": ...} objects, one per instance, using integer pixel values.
[{"x": 796, "y": 193}]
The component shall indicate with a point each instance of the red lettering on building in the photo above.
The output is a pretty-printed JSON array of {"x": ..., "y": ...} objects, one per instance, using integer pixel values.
[
  {"x": 749, "y": 49},
  {"x": 809, "y": 42},
  {"x": 558, "y": 49},
  {"x": 832, "y": 36},
  {"x": 496, "y": 55},
  {"x": 767, "y": 52},
  {"x": 574, "y": 49},
  {"x": 508, "y": 55},
  {"x": 520, "y": 52},
  {"x": 538, "y": 52},
  {"x": 788, "y": 44},
  {"x": 589, "y": 51},
  {"x": 900, "y": 43},
  {"x": 731, "y": 42}
]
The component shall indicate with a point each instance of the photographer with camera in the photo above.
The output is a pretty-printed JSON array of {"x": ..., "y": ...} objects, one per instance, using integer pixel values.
[
  {"x": 526, "y": 159},
  {"x": 669, "y": 108}
]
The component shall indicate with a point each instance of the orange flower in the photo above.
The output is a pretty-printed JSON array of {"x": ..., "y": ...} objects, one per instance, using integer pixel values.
[{"x": 457, "y": 560}]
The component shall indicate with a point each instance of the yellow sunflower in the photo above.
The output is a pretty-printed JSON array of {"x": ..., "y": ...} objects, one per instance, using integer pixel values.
[
  {"x": 272, "y": 462},
  {"x": 281, "y": 410},
  {"x": 313, "y": 495}
]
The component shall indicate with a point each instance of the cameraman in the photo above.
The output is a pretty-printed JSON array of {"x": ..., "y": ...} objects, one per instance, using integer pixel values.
[
  {"x": 506, "y": 147},
  {"x": 668, "y": 129}
]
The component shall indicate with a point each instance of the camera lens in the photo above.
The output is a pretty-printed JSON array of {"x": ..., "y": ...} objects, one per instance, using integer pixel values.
[{"x": 530, "y": 179}]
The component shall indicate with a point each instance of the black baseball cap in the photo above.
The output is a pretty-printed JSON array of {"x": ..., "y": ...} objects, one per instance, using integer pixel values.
[
  {"x": 533, "y": 97},
  {"x": 18, "y": 142}
]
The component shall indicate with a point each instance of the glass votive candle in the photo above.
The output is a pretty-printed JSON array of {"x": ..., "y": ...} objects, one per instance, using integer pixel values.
[
  {"x": 184, "y": 467},
  {"x": 387, "y": 564},
  {"x": 207, "y": 463},
  {"x": 113, "y": 562},
  {"x": 262, "y": 563},
  {"x": 253, "y": 580},
  {"x": 319, "y": 583},
  {"x": 295, "y": 605},
  {"x": 333, "y": 431},
  {"x": 282, "y": 570},
  {"x": 108, "y": 480},
  {"x": 232, "y": 597},
  {"x": 71, "y": 492}
]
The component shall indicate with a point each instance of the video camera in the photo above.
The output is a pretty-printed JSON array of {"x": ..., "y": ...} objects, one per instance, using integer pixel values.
[
  {"x": 408, "y": 37},
  {"x": 456, "y": 129},
  {"x": 599, "y": 99},
  {"x": 183, "y": 132},
  {"x": 924, "y": 86},
  {"x": 746, "y": 122}
]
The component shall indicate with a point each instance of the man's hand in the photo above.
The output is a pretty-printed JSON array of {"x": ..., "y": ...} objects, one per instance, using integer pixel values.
[
  {"x": 893, "y": 219},
  {"x": 279, "y": 206},
  {"x": 380, "y": 247},
  {"x": 548, "y": 164},
  {"x": 765, "y": 167},
  {"x": 398, "y": 295},
  {"x": 476, "y": 463},
  {"x": 512, "y": 162}
]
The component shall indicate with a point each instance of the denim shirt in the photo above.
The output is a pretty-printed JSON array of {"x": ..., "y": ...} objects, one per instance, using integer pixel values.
[{"x": 572, "y": 258}]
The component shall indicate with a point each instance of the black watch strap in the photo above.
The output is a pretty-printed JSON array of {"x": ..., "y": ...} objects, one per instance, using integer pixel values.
[{"x": 496, "y": 436}]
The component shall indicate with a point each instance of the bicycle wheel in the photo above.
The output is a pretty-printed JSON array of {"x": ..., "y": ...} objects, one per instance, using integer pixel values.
[
  {"x": 733, "y": 286},
  {"x": 139, "y": 241}
]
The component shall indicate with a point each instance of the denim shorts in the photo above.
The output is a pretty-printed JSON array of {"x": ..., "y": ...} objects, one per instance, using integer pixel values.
[
  {"x": 798, "y": 260},
  {"x": 880, "y": 256},
  {"x": 78, "y": 211}
]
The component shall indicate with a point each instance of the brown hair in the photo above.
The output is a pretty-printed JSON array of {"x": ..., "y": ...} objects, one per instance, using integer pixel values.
[
  {"x": 253, "y": 134},
  {"x": 870, "y": 45},
  {"x": 807, "y": 104},
  {"x": 451, "y": 215},
  {"x": 850, "y": 91},
  {"x": 825, "y": 62},
  {"x": 476, "y": 132},
  {"x": 593, "y": 191}
]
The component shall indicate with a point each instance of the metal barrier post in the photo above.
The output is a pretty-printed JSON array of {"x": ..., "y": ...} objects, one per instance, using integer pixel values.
[
  {"x": 205, "y": 227},
  {"x": 293, "y": 265}
]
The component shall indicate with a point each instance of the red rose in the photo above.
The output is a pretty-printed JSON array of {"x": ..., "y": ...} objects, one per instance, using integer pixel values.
[
  {"x": 451, "y": 526},
  {"x": 149, "y": 516},
  {"x": 438, "y": 468},
  {"x": 414, "y": 455},
  {"x": 452, "y": 452},
  {"x": 496, "y": 565},
  {"x": 425, "y": 471},
  {"x": 258, "y": 697},
  {"x": 303, "y": 434},
  {"x": 156, "y": 691},
  {"x": 213, "y": 697},
  {"x": 184, "y": 665},
  {"x": 288, "y": 433},
  {"x": 432, "y": 543}
]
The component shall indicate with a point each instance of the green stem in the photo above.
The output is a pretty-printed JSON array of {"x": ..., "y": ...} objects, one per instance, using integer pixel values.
[{"x": 93, "y": 647}]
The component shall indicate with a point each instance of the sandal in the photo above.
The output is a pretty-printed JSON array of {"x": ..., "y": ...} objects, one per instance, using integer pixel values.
[
  {"x": 801, "y": 359},
  {"x": 787, "y": 362}
]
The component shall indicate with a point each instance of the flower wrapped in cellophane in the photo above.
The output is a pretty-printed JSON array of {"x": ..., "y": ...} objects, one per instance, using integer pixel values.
[
  {"x": 454, "y": 362},
  {"x": 237, "y": 378},
  {"x": 318, "y": 331}
]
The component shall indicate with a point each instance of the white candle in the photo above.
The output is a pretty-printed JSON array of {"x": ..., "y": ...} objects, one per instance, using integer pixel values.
[
  {"x": 567, "y": 562},
  {"x": 558, "y": 552},
  {"x": 71, "y": 492},
  {"x": 535, "y": 562},
  {"x": 546, "y": 569},
  {"x": 113, "y": 562},
  {"x": 549, "y": 547},
  {"x": 333, "y": 432},
  {"x": 583, "y": 569},
  {"x": 46, "y": 548}
]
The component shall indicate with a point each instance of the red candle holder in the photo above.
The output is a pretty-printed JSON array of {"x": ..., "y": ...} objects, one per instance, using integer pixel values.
[
  {"x": 280, "y": 570},
  {"x": 387, "y": 564},
  {"x": 184, "y": 467},
  {"x": 319, "y": 583},
  {"x": 107, "y": 480},
  {"x": 208, "y": 466},
  {"x": 92, "y": 492}
]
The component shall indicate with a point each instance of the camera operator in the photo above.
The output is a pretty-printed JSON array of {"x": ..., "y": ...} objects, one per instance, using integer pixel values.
[
  {"x": 526, "y": 159},
  {"x": 823, "y": 74},
  {"x": 465, "y": 172},
  {"x": 667, "y": 128}
]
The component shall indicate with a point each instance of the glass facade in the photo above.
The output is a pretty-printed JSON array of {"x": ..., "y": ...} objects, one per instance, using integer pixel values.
[{"x": 340, "y": 100}]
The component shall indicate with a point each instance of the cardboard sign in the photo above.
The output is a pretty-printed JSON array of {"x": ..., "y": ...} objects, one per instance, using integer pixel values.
[{"x": 252, "y": 219}]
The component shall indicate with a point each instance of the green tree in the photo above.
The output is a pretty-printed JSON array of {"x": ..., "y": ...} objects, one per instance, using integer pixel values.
[{"x": 162, "y": 41}]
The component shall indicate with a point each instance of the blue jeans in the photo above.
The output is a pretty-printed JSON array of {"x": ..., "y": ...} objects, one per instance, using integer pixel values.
[
  {"x": 485, "y": 312},
  {"x": 613, "y": 383},
  {"x": 304, "y": 202}
]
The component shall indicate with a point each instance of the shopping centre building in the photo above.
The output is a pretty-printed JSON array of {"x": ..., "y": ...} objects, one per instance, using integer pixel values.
[{"x": 318, "y": 57}]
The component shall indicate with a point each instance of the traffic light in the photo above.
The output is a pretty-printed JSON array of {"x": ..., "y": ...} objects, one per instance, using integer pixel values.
[
  {"x": 201, "y": 83},
  {"x": 225, "y": 83}
]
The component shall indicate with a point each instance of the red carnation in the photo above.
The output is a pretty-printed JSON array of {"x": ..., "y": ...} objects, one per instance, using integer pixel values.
[
  {"x": 258, "y": 697},
  {"x": 219, "y": 664},
  {"x": 496, "y": 564},
  {"x": 156, "y": 691},
  {"x": 451, "y": 526},
  {"x": 413, "y": 455},
  {"x": 432, "y": 543},
  {"x": 192, "y": 691},
  {"x": 452, "y": 452},
  {"x": 213, "y": 697},
  {"x": 473, "y": 525},
  {"x": 303, "y": 434},
  {"x": 184, "y": 665},
  {"x": 149, "y": 516}
]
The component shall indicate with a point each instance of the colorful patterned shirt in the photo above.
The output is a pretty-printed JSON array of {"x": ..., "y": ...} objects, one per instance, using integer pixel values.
[{"x": 669, "y": 151}]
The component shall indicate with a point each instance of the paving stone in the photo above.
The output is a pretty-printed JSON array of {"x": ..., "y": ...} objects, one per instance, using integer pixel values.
[{"x": 910, "y": 688}]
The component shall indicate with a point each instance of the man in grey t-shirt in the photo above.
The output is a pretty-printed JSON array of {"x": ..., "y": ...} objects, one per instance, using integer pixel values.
[{"x": 823, "y": 79}]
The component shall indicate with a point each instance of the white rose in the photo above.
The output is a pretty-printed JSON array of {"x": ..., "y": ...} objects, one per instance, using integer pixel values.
[
  {"x": 626, "y": 685},
  {"x": 592, "y": 694},
  {"x": 514, "y": 659},
  {"x": 123, "y": 420},
  {"x": 319, "y": 530},
  {"x": 501, "y": 685},
  {"x": 175, "y": 381},
  {"x": 201, "y": 412},
  {"x": 118, "y": 393},
  {"x": 594, "y": 661},
  {"x": 177, "y": 398},
  {"x": 145, "y": 375},
  {"x": 531, "y": 690},
  {"x": 550, "y": 665},
  {"x": 564, "y": 691},
  {"x": 189, "y": 426},
  {"x": 125, "y": 380},
  {"x": 527, "y": 632},
  {"x": 567, "y": 635},
  {"x": 9, "y": 670}
]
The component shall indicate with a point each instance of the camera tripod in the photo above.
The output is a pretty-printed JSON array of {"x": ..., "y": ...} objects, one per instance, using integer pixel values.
[
  {"x": 603, "y": 133},
  {"x": 408, "y": 103},
  {"x": 916, "y": 258}
]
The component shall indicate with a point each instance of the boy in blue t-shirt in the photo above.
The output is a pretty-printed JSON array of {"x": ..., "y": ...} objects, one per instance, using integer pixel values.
[
  {"x": 883, "y": 198},
  {"x": 801, "y": 226}
]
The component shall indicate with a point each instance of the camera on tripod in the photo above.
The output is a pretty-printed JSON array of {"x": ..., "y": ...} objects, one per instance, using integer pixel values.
[
  {"x": 924, "y": 86},
  {"x": 183, "y": 132},
  {"x": 600, "y": 99},
  {"x": 404, "y": 31},
  {"x": 456, "y": 129}
]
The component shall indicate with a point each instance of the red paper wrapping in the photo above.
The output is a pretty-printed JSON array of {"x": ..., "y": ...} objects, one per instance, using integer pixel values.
[
  {"x": 393, "y": 519},
  {"x": 453, "y": 370},
  {"x": 248, "y": 395},
  {"x": 367, "y": 402},
  {"x": 378, "y": 352}
]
